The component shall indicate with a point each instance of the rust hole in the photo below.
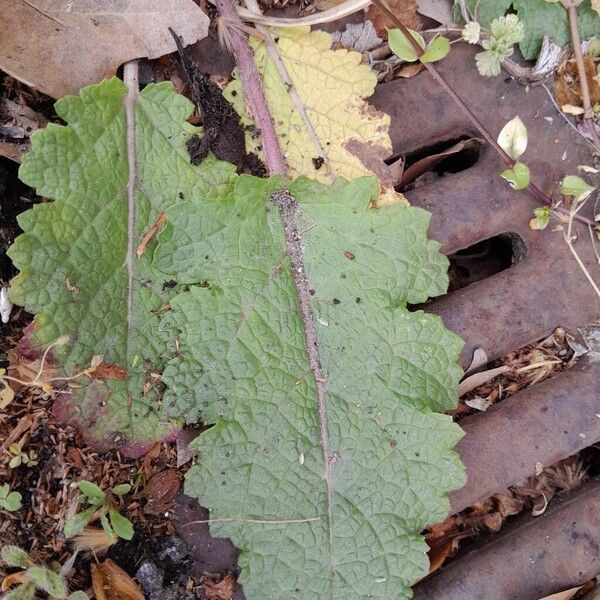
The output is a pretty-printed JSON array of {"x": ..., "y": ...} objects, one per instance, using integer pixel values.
[
  {"x": 437, "y": 160},
  {"x": 484, "y": 259}
]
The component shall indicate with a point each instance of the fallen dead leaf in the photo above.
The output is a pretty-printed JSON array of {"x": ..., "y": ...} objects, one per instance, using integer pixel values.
[
  {"x": 110, "y": 582},
  {"x": 222, "y": 590},
  {"x": 405, "y": 10},
  {"x": 107, "y": 371},
  {"x": 161, "y": 491},
  {"x": 58, "y": 47},
  {"x": 429, "y": 162},
  {"x": 436, "y": 10},
  {"x": 477, "y": 379},
  {"x": 12, "y": 580},
  {"x": 156, "y": 227},
  {"x": 479, "y": 403}
]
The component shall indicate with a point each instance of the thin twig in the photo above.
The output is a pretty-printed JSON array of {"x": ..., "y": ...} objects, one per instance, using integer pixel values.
[
  {"x": 569, "y": 241},
  {"x": 327, "y": 16},
  {"x": 588, "y": 115},
  {"x": 48, "y": 16},
  {"x": 536, "y": 192}
]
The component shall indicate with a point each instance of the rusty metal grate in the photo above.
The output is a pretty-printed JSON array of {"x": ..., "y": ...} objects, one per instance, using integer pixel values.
[{"x": 543, "y": 289}]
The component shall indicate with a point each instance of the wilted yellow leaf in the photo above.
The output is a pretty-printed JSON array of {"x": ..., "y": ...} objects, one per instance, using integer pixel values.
[{"x": 331, "y": 86}]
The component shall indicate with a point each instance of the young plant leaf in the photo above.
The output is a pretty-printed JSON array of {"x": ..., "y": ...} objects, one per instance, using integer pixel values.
[
  {"x": 541, "y": 217},
  {"x": 539, "y": 18},
  {"x": 48, "y": 581},
  {"x": 121, "y": 525},
  {"x": 91, "y": 490},
  {"x": 76, "y": 523},
  {"x": 518, "y": 177},
  {"x": 436, "y": 50},
  {"x": 401, "y": 47},
  {"x": 513, "y": 138},
  {"x": 13, "y": 556},
  {"x": 575, "y": 186},
  {"x": 121, "y": 490}
]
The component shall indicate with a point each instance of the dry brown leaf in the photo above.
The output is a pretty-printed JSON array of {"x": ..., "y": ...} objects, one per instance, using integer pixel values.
[
  {"x": 429, "y": 162},
  {"x": 58, "y": 47},
  {"x": 156, "y": 227},
  {"x": 596, "y": 5},
  {"x": 108, "y": 371},
  {"x": 223, "y": 590},
  {"x": 161, "y": 491},
  {"x": 477, "y": 379},
  {"x": 12, "y": 580},
  {"x": 405, "y": 10},
  {"x": 567, "y": 89},
  {"x": 110, "y": 582}
]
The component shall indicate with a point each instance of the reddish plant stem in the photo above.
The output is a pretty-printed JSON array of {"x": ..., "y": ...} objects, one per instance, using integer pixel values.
[
  {"x": 536, "y": 192},
  {"x": 252, "y": 85}
]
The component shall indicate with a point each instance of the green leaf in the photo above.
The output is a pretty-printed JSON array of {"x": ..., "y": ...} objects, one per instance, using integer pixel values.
[
  {"x": 541, "y": 218},
  {"x": 78, "y": 596},
  {"x": 121, "y": 525},
  {"x": 13, "y": 556},
  {"x": 513, "y": 138},
  {"x": 12, "y": 502},
  {"x": 82, "y": 238},
  {"x": 48, "y": 581},
  {"x": 21, "y": 592},
  {"x": 575, "y": 186},
  {"x": 323, "y": 480},
  {"x": 401, "y": 47},
  {"x": 436, "y": 50},
  {"x": 91, "y": 490},
  {"x": 106, "y": 526},
  {"x": 485, "y": 10},
  {"x": 518, "y": 177},
  {"x": 388, "y": 371},
  {"x": 76, "y": 523},
  {"x": 121, "y": 490},
  {"x": 539, "y": 18}
]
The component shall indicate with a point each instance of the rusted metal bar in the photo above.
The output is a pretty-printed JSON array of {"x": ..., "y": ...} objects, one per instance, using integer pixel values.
[
  {"x": 542, "y": 424},
  {"x": 535, "y": 557}
]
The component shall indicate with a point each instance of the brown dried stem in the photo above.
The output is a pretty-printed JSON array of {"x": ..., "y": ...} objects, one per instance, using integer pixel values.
[
  {"x": 588, "y": 116},
  {"x": 536, "y": 192},
  {"x": 253, "y": 91}
]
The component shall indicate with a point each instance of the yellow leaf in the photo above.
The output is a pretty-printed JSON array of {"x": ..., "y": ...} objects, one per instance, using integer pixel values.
[
  {"x": 6, "y": 395},
  {"x": 331, "y": 86}
]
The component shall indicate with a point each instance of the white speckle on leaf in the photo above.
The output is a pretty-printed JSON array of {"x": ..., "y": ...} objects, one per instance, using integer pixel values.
[
  {"x": 323, "y": 322},
  {"x": 301, "y": 458},
  {"x": 5, "y": 305}
]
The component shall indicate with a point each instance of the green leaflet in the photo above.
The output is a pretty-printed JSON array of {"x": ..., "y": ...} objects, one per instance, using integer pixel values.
[
  {"x": 232, "y": 351},
  {"x": 243, "y": 365},
  {"x": 72, "y": 255},
  {"x": 540, "y": 18}
]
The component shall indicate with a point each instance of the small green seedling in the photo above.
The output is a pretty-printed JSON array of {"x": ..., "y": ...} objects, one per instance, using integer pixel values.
[
  {"x": 403, "y": 49},
  {"x": 101, "y": 506},
  {"x": 35, "y": 577},
  {"x": 10, "y": 501},
  {"x": 21, "y": 458}
]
